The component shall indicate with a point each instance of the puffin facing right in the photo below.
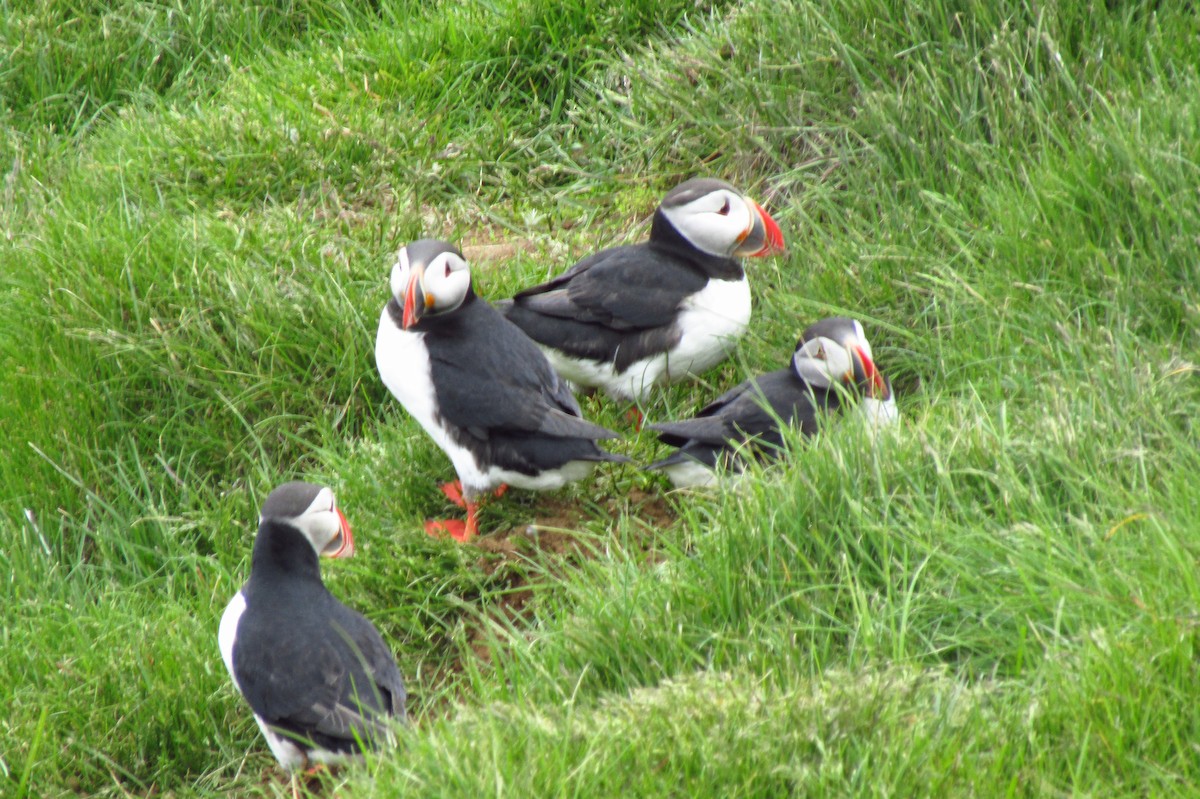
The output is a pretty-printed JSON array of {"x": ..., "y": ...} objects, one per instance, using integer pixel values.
[
  {"x": 832, "y": 364},
  {"x": 628, "y": 318},
  {"x": 316, "y": 674}
]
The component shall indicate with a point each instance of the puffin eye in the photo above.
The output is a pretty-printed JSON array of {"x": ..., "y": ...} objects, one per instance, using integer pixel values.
[
  {"x": 447, "y": 269},
  {"x": 820, "y": 356},
  {"x": 724, "y": 208}
]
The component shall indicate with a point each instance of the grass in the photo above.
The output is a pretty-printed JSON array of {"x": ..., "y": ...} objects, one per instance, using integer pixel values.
[{"x": 1001, "y": 598}]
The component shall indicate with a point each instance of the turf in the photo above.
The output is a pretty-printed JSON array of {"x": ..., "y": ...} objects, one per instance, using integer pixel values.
[{"x": 1000, "y": 597}]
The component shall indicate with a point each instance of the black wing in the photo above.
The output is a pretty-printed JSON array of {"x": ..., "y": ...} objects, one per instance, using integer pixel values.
[
  {"x": 707, "y": 454},
  {"x": 376, "y": 658},
  {"x": 490, "y": 377},
  {"x": 619, "y": 304},
  {"x": 328, "y": 680},
  {"x": 749, "y": 413},
  {"x": 751, "y": 409},
  {"x": 625, "y": 288}
]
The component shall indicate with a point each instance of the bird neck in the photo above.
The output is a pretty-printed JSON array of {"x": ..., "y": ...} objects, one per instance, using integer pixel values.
[
  {"x": 282, "y": 549},
  {"x": 664, "y": 236}
]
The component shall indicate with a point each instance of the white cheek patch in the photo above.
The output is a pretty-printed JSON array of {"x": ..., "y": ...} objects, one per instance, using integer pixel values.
[
  {"x": 837, "y": 358},
  {"x": 814, "y": 371},
  {"x": 447, "y": 280},
  {"x": 809, "y": 350},
  {"x": 318, "y": 522},
  {"x": 322, "y": 501},
  {"x": 822, "y": 371},
  {"x": 709, "y": 231}
]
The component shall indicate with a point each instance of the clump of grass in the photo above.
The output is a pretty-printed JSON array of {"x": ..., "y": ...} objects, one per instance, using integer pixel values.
[{"x": 72, "y": 64}]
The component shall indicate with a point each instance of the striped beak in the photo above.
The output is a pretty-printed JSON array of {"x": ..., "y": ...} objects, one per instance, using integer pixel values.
[
  {"x": 762, "y": 237},
  {"x": 865, "y": 372},
  {"x": 415, "y": 301},
  {"x": 344, "y": 542}
]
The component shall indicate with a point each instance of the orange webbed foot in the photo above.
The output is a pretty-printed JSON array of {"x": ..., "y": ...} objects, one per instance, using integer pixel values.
[
  {"x": 455, "y": 528},
  {"x": 453, "y": 492}
]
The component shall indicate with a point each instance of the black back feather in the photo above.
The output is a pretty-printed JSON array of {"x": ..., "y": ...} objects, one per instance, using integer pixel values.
[
  {"x": 499, "y": 395},
  {"x": 309, "y": 666},
  {"x": 620, "y": 305}
]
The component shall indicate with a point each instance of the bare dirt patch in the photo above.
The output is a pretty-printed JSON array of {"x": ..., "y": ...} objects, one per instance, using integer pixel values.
[{"x": 552, "y": 544}]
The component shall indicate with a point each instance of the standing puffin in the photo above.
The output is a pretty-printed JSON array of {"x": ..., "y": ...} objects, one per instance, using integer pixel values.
[
  {"x": 629, "y": 317},
  {"x": 832, "y": 356},
  {"x": 481, "y": 389},
  {"x": 316, "y": 674}
]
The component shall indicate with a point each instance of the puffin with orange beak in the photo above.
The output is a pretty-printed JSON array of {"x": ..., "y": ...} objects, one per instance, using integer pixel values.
[
  {"x": 831, "y": 367},
  {"x": 316, "y": 674},
  {"x": 478, "y": 386},
  {"x": 628, "y": 318}
]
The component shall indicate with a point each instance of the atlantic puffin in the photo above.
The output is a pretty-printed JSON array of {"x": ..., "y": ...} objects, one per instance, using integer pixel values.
[
  {"x": 832, "y": 365},
  {"x": 479, "y": 386},
  {"x": 316, "y": 674},
  {"x": 627, "y": 318}
]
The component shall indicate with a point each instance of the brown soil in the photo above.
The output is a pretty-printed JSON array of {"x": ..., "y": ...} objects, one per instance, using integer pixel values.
[{"x": 553, "y": 543}]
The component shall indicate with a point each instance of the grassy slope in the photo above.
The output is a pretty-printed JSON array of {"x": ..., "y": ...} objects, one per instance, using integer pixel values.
[{"x": 999, "y": 599}]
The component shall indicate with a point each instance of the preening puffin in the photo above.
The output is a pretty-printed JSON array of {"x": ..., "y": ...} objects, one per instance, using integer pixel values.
[
  {"x": 627, "y": 318},
  {"x": 316, "y": 674},
  {"x": 478, "y": 385},
  {"x": 832, "y": 364}
]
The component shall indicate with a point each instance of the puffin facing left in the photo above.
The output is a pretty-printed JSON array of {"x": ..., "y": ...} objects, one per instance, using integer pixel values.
[
  {"x": 316, "y": 674},
  {"x": 480, "y": 388}
]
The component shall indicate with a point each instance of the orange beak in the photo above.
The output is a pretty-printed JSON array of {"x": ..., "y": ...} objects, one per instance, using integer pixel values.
[
  {"x": 774, "y": 234},
  {"x": 346, "y": 550},
  {"x": 763, "y": 232},
  {"x": 416, "y": 301},
  {"x": 411, "y": 313},
  {"x": 877, "y": 386}
]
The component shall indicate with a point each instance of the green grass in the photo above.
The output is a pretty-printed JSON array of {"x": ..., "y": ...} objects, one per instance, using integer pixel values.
[{"x": 197, "y": 213}]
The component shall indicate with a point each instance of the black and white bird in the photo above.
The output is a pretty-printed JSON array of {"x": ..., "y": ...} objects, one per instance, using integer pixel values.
[
  {"x": 832, "y": 365},
  {"x": 481, "y": 389},
  {"x": 316, "y": 674},
  {"x": 627, "y": 318}
]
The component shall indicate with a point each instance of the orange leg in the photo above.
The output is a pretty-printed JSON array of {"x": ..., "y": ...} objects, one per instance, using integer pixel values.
[
  {"x": 459, "y": 530},
  {"x": 453, "y": 492},
  {"x": 310, "y": 778},
  {"x": 634, "y": 415}
]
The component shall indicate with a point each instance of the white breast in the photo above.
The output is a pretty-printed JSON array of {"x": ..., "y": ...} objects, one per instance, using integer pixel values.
[
  {"x": 403, "y": 362},
  {"x": 711, "y": 321},
  {"x": 689, "y": 473},
  {"x": 227, "y": 632},
  {"x": 879, "y": 414},
  {"x": 287, "y": 753}
]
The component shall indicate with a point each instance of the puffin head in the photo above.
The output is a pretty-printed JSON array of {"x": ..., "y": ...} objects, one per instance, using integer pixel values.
[
  {"x": 311, "y": 509},
  {"x": 717, "y": 219},
  {"x": 429, "y": 277},
  {"x": 836, "y": 350}
]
